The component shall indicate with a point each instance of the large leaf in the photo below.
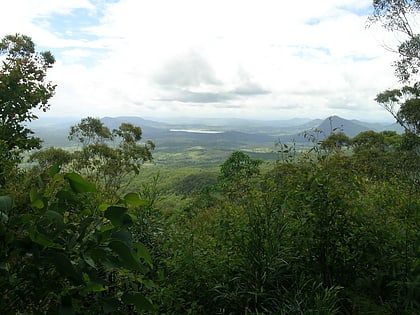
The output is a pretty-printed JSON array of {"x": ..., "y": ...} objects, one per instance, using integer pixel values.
[
  {"x": 133, "y": 199},
  {"x": 55, "y": 169},
  {"x": 36, "y": 199},
  {"x": 42, "y": 239},
  {"x": 118, "y": 216},
  {"x": 79, "y": 184},
  {"x": 143, "y": 252},
  {"x": 138, "y": 300},
  {"x": 126, "y": 255},
  {"x": 123, "y": 236},
  {"x": 55, "y": 217},
  {"x": 93, "y": 287}
]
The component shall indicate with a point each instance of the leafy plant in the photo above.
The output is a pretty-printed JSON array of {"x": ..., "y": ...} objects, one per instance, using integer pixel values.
[{"x": 66, "y": 254}]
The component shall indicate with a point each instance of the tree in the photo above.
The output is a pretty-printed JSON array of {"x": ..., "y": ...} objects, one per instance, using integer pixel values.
[
  {"x": 236, "y": 173},
  {"x": 369, "y": 141},
  {"x": 404, "y": 105},
  {"x": 109, "y": 157},
  {"x": 400, "y": 16},
  {"x": 336, "y": 141},
  {"x": 23, "y": 88},
  {"x": 409, "y": 113},
  {"x": 90, "y": 131},
  {"x": 51, "y": 156}
]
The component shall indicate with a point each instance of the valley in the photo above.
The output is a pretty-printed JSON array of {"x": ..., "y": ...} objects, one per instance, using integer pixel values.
[{"x": 199, "y": 142}]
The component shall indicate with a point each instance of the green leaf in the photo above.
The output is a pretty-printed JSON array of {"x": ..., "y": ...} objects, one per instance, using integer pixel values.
[
  {"x": 93, "y": 287},
  {"x": 123, "y": 236},
  {"x": 53, "y": 170},
  {"x": 126, "y": 255},
  {"x": 79, "y": 184},
  {"x": 133, "y": 199},
  {"x": 118, "y": 216},
  {"x": 89, "y": 261},
  {"x": 43, "y": 240},
  {"x": 55, "y": 217},
  {"x": 103, "y": 207},
  {"x": 83, "y": 227},
  {"x": 143, "y": 252},
  {"x": 36, "y": 199},
  {"x": 39, "y": 204},
  {"x": 138, "y": 300}
]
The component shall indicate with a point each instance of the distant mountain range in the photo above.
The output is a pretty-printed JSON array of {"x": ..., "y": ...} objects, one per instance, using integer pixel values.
[{"x": 214, "y": 131}]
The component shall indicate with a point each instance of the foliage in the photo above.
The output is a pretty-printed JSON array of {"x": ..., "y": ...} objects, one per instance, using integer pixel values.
[
  {"x": 23, "y": 88},
  {"x": 236, "y": 173},
  {"x": 319, "y": 232},
  {"x": 331, "y": 235},
  {"x": 335, "y": 141},
  {"x": 48, "y": 157},
  {"x": 399, "y": 16},
  {"x": 90, "y": 131},
  {"x": 196, "y": 183},
  {"x": 403, "y": 104},
  {"x": 68, "y": 255},
  {"x": 108, "y": 163}
]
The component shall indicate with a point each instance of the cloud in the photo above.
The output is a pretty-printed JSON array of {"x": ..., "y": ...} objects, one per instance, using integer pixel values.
[
  {"x": 217, "y": 58},
  {"x": 186, "y": 96},
  {"x": 250, "y": 89},
  {"x": 188, "y": 70}
]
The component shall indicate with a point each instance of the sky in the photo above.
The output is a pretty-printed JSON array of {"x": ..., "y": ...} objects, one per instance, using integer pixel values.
[{"x": 259, "y": 59}]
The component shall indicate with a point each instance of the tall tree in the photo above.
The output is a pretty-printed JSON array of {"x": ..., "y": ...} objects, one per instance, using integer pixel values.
[
  {"x": 401, "y": 16},
  {"x": 404, "y": 105},
  {"x": 23, "y": 88},
  {"x": 109, "y": 157}
]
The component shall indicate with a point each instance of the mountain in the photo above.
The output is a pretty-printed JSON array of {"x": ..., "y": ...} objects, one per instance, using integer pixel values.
[
  {"x": 335, "y": 124},
  {"x": 52, "y": 130},
  {"x": 150, "y": 129},
  {"x": 226, "y": 132}
]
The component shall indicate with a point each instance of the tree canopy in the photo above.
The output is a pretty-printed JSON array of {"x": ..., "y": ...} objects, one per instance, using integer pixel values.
[
  {"x": 399, "y": 16},
  {"x": 108, "y": 157},
  {"x": 23, "y": 88}
]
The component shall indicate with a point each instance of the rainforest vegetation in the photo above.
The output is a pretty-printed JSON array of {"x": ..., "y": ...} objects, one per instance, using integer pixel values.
[{"x": 332, "y": 229}]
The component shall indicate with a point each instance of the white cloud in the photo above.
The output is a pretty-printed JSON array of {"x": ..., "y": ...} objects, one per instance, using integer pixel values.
[{"x": 261, "y": 59}]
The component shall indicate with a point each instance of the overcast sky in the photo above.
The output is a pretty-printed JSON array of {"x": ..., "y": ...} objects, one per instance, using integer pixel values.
[{"x": 247, "y": 59}]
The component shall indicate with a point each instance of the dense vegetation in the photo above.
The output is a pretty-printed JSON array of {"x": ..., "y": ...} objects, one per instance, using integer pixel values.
[{"x": 329, "y": 230}]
